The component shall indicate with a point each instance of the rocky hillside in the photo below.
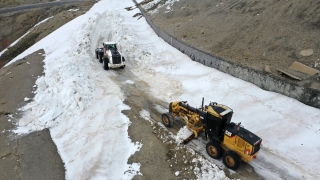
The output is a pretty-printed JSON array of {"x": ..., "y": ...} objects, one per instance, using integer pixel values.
[
  {"x": 267, "y": 35},
  {"x": 253, "y": 33},
  {"x": 13, "y": 3},
  {"x": 17, "y": 24}
]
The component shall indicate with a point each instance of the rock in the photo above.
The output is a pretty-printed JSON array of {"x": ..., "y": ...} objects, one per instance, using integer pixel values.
[
  {"x": 283, "y": 71},
  {"x": 297, "y": 66},
  {"x": 307, "y": 52},
  {"x": 267, "y": 68}
]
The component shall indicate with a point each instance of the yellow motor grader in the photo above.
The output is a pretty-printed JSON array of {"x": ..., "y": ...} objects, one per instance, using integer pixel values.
[{"x": 227, "y": 139}]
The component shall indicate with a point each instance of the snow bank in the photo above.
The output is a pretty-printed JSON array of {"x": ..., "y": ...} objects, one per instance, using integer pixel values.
[{"x": 80, "y": 104}]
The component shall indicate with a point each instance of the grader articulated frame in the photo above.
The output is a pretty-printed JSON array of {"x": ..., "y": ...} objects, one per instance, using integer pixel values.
[{"x": 232, "y": 140}]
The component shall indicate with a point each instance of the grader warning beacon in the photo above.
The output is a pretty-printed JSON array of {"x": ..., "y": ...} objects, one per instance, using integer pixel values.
[{"x": 227, "y": 139}]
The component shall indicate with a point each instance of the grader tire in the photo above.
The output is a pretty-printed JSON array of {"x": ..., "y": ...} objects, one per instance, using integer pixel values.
[
  {"x": 100, "y": 57},
  {"x": 167, "y": 119},
  {"x": 214, "y": 150},
  {"x": 231, "y": 160}
]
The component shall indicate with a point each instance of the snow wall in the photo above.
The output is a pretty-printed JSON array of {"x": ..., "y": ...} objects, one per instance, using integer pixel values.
[{"x": 262, "y": 79}]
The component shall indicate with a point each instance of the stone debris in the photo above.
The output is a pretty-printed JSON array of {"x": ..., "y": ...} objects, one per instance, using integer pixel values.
[
  {"x": 307, "y": 52},
  {"x": 267, "y": 69},
  {"x": 297, "y": 66},
  {"x": 289, "y": 74}
]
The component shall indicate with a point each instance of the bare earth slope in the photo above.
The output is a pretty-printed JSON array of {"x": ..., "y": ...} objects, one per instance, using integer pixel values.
[
  {"x": 16, "y": 24},
  {"x": 249, "y": 32},
  {"x": 252, "y": 33},
  {"x": 14, "y": 3}
]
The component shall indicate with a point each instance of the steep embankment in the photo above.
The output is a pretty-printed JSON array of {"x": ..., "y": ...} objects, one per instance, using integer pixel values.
[{"x": 252, "y": 33}]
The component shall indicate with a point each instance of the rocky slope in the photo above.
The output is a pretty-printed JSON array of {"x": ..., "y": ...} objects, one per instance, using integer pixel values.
[
  {"x": 18, "y": 23},
  {"x": 14, "y": 3},
  {"x": 252, "y": 33}
]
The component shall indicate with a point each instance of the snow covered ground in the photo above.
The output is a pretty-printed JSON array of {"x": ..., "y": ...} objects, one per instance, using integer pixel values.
[{"x": 83, "y": 111}]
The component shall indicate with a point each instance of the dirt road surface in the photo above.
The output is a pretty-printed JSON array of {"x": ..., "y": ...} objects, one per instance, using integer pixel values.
[{"x": 33, "y": 156}]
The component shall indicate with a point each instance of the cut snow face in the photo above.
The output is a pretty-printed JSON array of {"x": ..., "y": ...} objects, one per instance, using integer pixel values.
[{"x": 83, "y": 110}]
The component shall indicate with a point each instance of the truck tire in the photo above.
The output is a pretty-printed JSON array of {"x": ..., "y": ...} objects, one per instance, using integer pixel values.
[
  {"x": 123, "y": 66},
  {"x": 167, "y": 119},
  {"x": 105, "y": 64},
  {"x": 214, "y": 150},
  {"x": 231, "y": 160},
  {"x": 97, "y": 55},
  {"x": 100, "y": 57},
  {"x": 170, "y": 107}
]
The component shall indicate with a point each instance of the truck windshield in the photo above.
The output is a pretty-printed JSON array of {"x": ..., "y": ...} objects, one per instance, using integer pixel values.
[{"x": 111, "y": 46}]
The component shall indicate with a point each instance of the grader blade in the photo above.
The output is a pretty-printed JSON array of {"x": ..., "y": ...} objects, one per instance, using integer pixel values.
[
  {"x": 185, "y": 141},
  {"x": 185, "y": 135}
]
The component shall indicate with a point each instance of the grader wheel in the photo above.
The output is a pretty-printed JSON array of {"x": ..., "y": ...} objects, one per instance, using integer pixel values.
[
  {"x": 214, "y": 150},
  {"x": 231, "y": 160},
  {"x": 167, "y": 119}
]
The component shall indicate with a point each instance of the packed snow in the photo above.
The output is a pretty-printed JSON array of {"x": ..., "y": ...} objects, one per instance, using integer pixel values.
[{"x": 83, "y": 110}]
